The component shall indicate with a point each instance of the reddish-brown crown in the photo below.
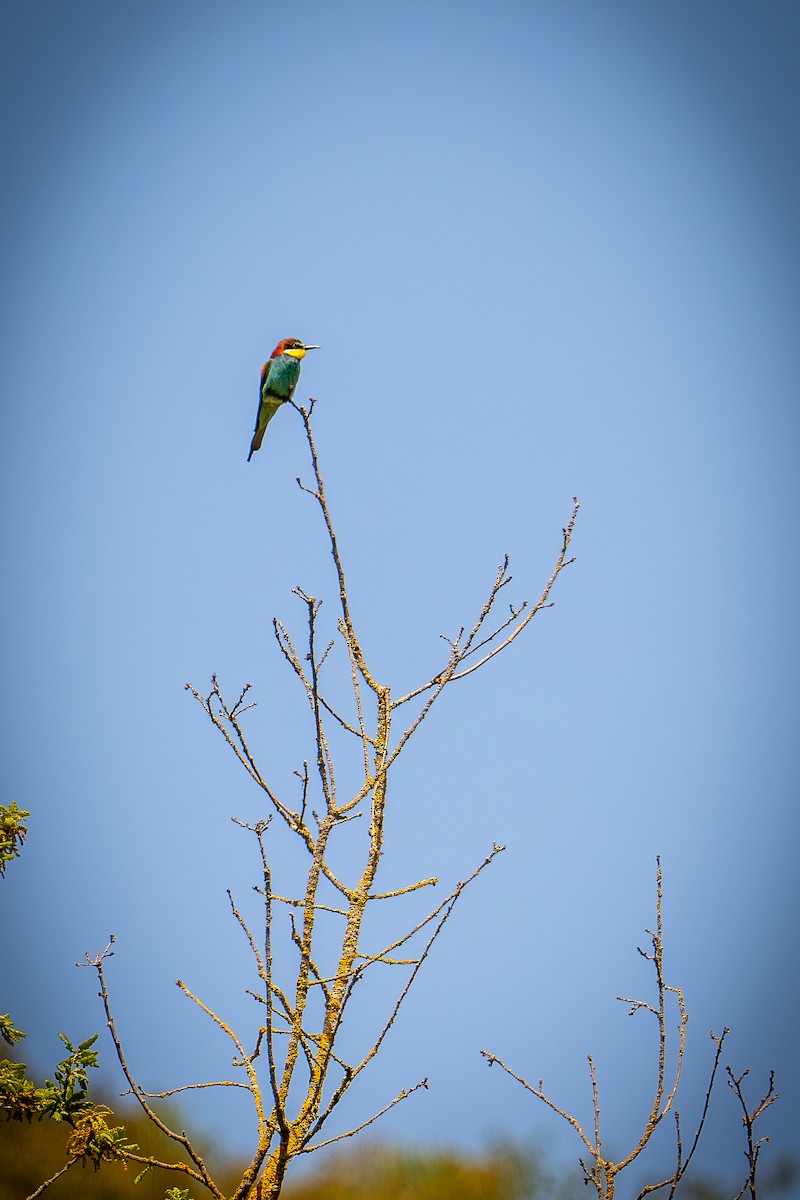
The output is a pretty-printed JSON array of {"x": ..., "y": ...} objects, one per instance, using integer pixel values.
[{"x": 286, "y": 344}]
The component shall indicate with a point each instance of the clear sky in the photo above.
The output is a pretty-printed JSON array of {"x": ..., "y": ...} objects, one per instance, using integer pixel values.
[{"x": 547, "y": 249}]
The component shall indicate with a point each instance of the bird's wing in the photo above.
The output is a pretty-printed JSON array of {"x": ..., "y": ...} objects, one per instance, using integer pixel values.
[{"x": 264, "y": 373}]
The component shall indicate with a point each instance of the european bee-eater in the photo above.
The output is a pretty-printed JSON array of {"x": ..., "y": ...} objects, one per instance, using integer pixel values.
[{"x": 279, "y": 376}]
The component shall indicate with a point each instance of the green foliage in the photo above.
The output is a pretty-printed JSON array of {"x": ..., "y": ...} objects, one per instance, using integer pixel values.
[
  {"x": 13, "y": 832},
  {"x": 65, "y": 1098},
  {"x": 18, "y": 1096},
  {"x": 8, "y": 1033},
  {"x": 93, "y": 1140},
  {"x": 61, "y": 1099}
]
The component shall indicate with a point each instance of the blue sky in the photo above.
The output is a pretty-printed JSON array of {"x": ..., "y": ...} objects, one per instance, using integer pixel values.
[{"x": 547, "y": 249}]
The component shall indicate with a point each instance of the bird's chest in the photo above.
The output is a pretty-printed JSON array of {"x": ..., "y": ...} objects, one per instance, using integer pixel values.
[{"x": 282, "y": 376}]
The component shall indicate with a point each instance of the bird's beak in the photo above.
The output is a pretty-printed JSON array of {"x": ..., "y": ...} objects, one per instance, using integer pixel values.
[{"x": 311, "y": 347}]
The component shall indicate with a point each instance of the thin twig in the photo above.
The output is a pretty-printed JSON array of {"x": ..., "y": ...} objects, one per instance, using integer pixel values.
[
  {"x": 201, "y": 1175},
  {"x": 406, "y": 1092}
]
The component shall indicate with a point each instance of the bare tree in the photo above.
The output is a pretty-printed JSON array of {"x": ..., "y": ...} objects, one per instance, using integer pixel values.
[
  {"x": 602, "y": 1172},
  {"x": 290, "y": 1063}
]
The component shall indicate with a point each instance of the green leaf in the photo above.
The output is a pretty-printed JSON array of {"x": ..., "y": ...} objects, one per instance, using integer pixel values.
[
  {"x": 7, "y": 1031},
  {"x": 13, "y": 832}
]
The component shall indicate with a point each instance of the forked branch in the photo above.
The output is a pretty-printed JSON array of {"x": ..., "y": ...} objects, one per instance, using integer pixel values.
[{"x": 754, "y": 1144}]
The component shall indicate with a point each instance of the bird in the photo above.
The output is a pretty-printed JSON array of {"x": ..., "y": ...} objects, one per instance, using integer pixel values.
[{"x": 279, "y": 376}]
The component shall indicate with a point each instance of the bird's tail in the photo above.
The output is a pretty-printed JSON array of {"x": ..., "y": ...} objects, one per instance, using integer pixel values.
[{"x": 258, "y": 438}]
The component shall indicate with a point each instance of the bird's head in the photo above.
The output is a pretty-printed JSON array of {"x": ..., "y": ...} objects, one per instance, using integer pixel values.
[{"x": 293, "y": 347}]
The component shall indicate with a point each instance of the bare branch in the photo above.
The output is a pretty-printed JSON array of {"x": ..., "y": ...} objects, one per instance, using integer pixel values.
[
  {"x": 474, "y": 643},
  {"x": 423, "y": 1083},
  {"x": 342, "y": 912},
  {"x": 351, "y": 1073},
  {"x": 539, "y": 1092},
  {"x": 754, "y": 1145},
  {"x": 218, "y": 1021},
  {"x": 240, "y": 748},
  {"x": 368, "y": 742},
  {"x": 324, "y": 761},
  {"x": 190, "y": 1087},
  {"x": 319, "y": 496},
  {"x": 201, "y": 1175},
  {"x": 561, "y": 562},
  {"x": 248, "y": 935},
  {"x": 412, "y": 887},
  {"x": 682, "y": 1165},
  {"x": 445, "y": 908},
  {"x": 598, "y": 1171}
]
